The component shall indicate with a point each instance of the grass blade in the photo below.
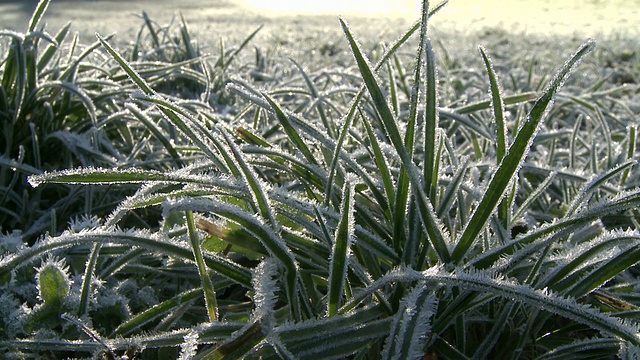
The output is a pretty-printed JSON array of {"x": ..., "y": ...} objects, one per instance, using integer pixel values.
[
  {"x": 290, "y": 130},
  {"x": 429, "y": 220},
  {"x": 341, "y": 249},
  {"x": 142, "y": 84},
  {"x": 411, "y": 325},
  {"x": 512, "y": 161},
  {"x": 545, "y": 300},
  {"x": 41, "y": 8},
  {"x": 210, "y": 301}
]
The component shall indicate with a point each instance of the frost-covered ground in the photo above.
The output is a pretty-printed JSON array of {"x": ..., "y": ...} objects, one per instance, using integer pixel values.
[{"x": 590, "y": 18}]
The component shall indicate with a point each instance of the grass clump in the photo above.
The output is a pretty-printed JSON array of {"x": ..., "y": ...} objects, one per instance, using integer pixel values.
[{"x": 361, "y": 213}]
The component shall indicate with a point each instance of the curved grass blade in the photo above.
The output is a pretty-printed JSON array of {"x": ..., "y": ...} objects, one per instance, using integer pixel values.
[
  {"x": 258, "y": 194},
  {"x": 596, "y": 182},
  {"x": 607, "y": 271},
  {"x": 75, "y": 90},
  {"x": 271, "y": 239},
  {"x": 549, "y": 232},
  {"x": 314, "y": 95},
  {"x": 502, "y": 178},
  {"x": 155, "y": 311},
  {"x": 569, "y": 274},
  {"x": 587, "y": 349},
  {"x": 153, "y": 242},
  {"x": 566, "y": 307},
  {"x": 51, "y": 49}
]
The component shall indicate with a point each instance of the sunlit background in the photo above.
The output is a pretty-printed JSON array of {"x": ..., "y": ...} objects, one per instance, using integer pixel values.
[
  {"x": 538, "y": 16},
  {"x": 364, "y": 7},
  {"x": 559, "y": 17}
]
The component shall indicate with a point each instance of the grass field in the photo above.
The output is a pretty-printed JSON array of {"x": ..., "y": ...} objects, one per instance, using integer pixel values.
[{"x": 233, "y": 184}]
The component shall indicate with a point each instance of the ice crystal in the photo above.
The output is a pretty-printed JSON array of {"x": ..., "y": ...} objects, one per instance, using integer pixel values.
[
  {"x": 189, "y": 347},
  {"x": 265, "y": 286},
  {"x": 11, "y": 242}
]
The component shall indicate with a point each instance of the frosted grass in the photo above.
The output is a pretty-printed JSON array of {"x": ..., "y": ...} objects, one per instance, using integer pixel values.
[{"x": 415, "y": 204}]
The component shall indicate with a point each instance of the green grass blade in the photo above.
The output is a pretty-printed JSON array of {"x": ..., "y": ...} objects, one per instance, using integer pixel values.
[
  {"x": 566, "y": 307},
  {"x": 452, "y": 189},
  {"x": 78, "y": 92},
  {"x": 256, "y": 188},
  {"x": 382, "y": 165},
  {"x": 595, "y": 183},
  {"x": 41, "y": 8},
  {"x": 579, "y": 261},
  {"x": 512, "y": 161},
  {"x": 498, "y": 106},
  {"x": 586, "y": 349},
  {"x": 501, "y": 130},
  {"x": 142, "y": 84},
  {"x": 99, "y": 176},
  {"x": 340, "y": 250},
  {"x": 291, "y": 132},
  {"x": 192, "y": 128},
  {"x": 429, "y": 220},
  {"x": 411, "y": 325},
  {"x": 154, "y": 130},
  {"x": 51, "y": 49},
  {"x": 500, "y": 325},
  {"x": 486, "y": 104},
  {"x": 271, "y": 239},
  {"x": 431, "y": 123},
  {"x": 314, "y": 95},
  {"x": 210, "y": 301},
  {"x": 155, "y": 311},
  {"x": 242, "y": 45},
  {"x": 333, "y": 167},
  {"x": 621, "y": 202},
  {"x": 87, "y": 279},
  {"x": 144, "y": 239},
  {"x": 607, "y": 271}
]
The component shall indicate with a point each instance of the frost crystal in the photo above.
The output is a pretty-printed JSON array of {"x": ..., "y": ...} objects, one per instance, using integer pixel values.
[
  {"x": 189, "y": 347},
  {"x": 265, "y": 285},
  {"x": 11, "y": 242}
]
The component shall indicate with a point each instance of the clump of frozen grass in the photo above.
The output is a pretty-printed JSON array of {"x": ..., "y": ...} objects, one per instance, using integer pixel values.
[{"x": 345, "y": 216}]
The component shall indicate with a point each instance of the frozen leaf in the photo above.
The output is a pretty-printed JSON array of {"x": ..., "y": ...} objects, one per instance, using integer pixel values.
[{"x": 53, "y": 281}]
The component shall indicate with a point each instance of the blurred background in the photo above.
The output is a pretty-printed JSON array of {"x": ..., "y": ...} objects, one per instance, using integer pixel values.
[{"x": 578, "y": 17}]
